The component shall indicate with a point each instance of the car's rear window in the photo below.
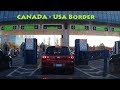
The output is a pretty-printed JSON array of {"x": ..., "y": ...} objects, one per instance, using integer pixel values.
[{"x": 58, "y": 51}]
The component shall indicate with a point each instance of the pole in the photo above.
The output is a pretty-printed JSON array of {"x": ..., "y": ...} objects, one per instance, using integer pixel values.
[{"x": 105, "y": 68}]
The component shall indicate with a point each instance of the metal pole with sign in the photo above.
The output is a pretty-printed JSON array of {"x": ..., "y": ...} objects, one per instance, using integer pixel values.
[
  {"x": 30, "y": 51},
  {"x": 80, "y": 45}
]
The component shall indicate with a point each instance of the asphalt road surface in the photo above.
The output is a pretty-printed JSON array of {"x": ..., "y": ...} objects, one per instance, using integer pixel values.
[{"x": 20, "y": 71}]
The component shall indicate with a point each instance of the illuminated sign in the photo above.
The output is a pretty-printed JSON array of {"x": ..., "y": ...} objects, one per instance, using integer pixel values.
[
  {"x": 52, "y": 27},
  {"x": 83, "y": 44},
  {"x": 9, "y": 27},
  {"x": 29, "y": 27},
  {"x": 100, "y": 28},
  {"x": 116, "y": 29},
  {"x": 29, "y": 43},
  {"x": 54, "y": 16},
  {"x": 80, "y": 27}
]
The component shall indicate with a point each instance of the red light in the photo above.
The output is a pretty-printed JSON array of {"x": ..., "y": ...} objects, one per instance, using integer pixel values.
[
  {"x": 71, "y": 57},
  {"x": 47, "y": 56},
  {"x": 43, "y": 57}
]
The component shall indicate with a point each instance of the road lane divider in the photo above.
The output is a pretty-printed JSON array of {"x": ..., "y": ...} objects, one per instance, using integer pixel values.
[
  {"x": 10, "y": 74},
  {"x": 35, "y": 70}
]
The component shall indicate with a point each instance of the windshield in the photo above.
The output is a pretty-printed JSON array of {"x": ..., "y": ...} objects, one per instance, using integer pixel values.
[{"x": 58, "y": 51}]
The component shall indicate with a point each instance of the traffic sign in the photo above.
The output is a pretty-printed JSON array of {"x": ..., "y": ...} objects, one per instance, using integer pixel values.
[{"x": 29, "y": 43}]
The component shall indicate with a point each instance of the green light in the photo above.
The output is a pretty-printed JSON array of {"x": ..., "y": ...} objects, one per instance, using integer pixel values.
[
  {"x": 7, "y": 27},
  {"x": 79, "y": 27},
  {"x": 100, "y": 28},
  {"x": 52, "y": 27},
  {"x": 29, "y": 27},
  {"x": 116, "y": 29}
]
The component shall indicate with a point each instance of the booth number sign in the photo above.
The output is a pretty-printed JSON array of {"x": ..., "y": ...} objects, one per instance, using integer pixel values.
[
  {"x": 83, "y": 44},
  {"x": 29, "y": 44}
]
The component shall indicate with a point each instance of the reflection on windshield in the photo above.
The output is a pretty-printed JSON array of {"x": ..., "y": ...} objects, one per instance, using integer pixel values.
[{"x": 57, "y": 51}]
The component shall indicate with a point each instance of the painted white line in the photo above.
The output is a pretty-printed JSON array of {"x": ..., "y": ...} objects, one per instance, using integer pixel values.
[
  {"x": 17, "y": 61},
  {"x": 86, "y": 73},
  {"x": 94, "y": 67},
  {"x": 25, "y": 72},
  {"x": 22, "y": 72},
  {"x": 15, "y": 66},
  {"x": 107, "y": 75},
  {"x": 35, "y": 70},
  {"x": 95, "y": 72},
  {"x": 19, "y": 72},
  {"x": 95, "y": 76},
  {"x": 26, "y": 69},
  {"x": 10, "y": 74},
  {"x": 86, "y": 69}
]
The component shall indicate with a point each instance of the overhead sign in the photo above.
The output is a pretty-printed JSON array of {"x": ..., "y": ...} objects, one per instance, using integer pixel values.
[
  {"x": 9, "y": 27},
  {"x": 100, "y": 28},
  {"x": 52, "y": 27},
  {"x": 55, "y": 16},
  {"x": 29, "y": 27},
  {"x": 116, "y": 29},
  {"x": 80, "y": 27},
  {"x": 29, "y": 43},
  {"x": 83, "y": 44}
]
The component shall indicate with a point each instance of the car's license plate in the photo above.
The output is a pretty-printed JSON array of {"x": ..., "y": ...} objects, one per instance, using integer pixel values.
[{"x": 58, "y": 65}]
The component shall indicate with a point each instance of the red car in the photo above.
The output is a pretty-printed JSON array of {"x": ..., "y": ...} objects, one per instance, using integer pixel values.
[{"x": 57, "y": 59}]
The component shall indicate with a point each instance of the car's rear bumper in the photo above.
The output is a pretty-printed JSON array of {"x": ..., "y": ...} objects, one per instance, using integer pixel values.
[{"x": 50, "y": 66}]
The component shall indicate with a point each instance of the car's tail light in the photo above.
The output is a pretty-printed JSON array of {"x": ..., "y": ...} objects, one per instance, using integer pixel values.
[
  {"x": 44, "y": 57},
  {"x": 71, "y": 57}
]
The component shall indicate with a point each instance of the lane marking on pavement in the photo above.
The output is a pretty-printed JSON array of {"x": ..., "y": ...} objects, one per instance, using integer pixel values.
[
  {"x": 22, "y": 72},
  {"x": 21, "y": 62},
  {"x": 87, "y": 73},
  {"x": 26, "y": 68},
  {"x": 88, "y": 69},
  {"x": 48, "y": 77},
  {"x": 95, "y": 72},
  {"x": 18, "y": 61},
  {"x": 15, "y": 66},
  {"x": 102, "y": 71},
  {"x": 35, "y": 70},
  {"x": 10, "y": 74}
]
